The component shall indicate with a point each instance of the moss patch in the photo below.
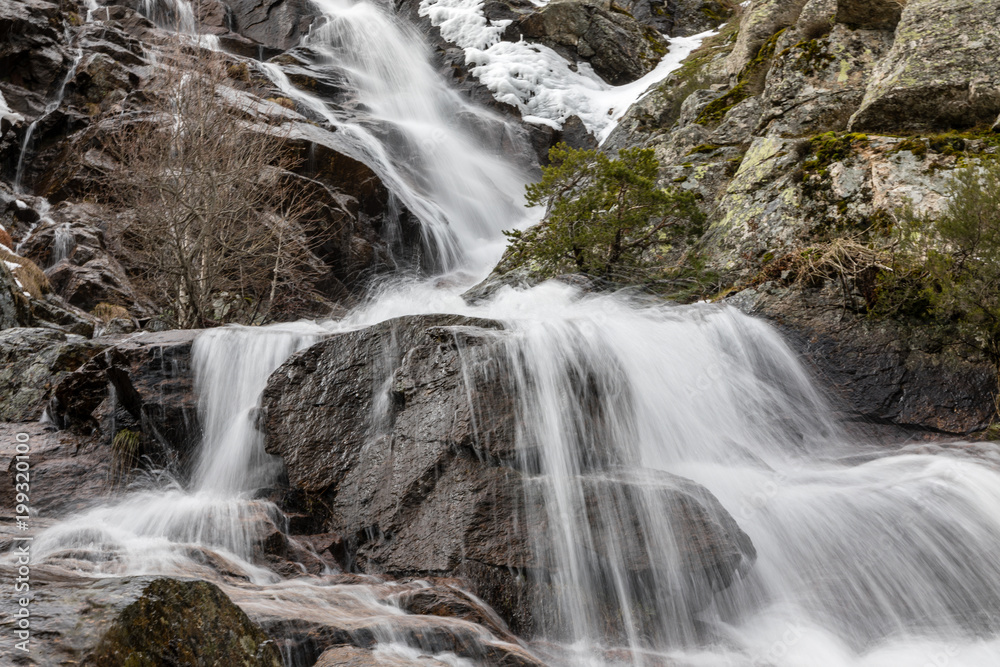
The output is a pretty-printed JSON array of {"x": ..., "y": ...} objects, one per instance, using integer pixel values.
[
  {"x": 750, "y": 82},
  {"x": 184, "y": 623},
  {"x": 829, "y": 148}
]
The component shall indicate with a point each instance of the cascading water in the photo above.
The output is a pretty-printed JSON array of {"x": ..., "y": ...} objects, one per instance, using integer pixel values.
[
  {"x": 862, "y": 558},
  {"x": 439, "y": 154},
  {"x": 155, "y": 530},
  {"x": 29, "y": 134}
]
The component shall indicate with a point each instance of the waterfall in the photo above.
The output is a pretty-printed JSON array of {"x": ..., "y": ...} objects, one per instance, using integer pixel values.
[
  {"x": 437, "y": 152},
  {"x": 863, "y": 556},
  {"x": 63, "y": 242},
  {"x": 164, "y": 529},
  {"x": 53, "y": 104}
]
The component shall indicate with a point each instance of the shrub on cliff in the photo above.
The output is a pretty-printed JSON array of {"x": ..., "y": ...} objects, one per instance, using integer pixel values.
[
  {"x": 606, "y": 218},
  {"x": 211, "y": 219},
  {"x": 948, "y": 267}
]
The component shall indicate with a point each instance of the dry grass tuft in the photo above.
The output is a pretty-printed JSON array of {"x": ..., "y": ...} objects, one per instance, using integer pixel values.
[
  {"x": 109, "y": 311},
  {"x": 32, "y": 278}
]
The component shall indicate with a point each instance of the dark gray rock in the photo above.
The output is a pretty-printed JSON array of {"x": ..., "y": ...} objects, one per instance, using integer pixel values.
[
  {"x": 278, "y": 24},
  {"x": 33, "y": 361},
  {"x": 153, "y": 394},
  {"x": 618, "y": 48},
  {"x": 880, "y": 371},
  {"x": 406, "y": 433}
]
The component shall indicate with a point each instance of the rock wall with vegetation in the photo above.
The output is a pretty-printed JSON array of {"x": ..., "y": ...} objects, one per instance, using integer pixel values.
[{"x": 809, "y": 130}]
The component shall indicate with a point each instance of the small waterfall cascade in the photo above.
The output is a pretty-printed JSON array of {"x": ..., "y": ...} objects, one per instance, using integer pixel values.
[
  {"x": 157, "y": 530},
  {"x": 63, "y": 242},
  {"x": 859, "y": 558},
  {"x": 29, "y": 134},
  {"x": 438, "y": 153}
]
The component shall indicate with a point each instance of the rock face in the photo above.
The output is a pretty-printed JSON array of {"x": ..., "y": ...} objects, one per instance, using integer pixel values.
[
  {"x": 782, "y": 126},
  {"x": 432, "y": 484},
  {"x": 278, "y": 24},
  {"x": 941, "y": 72},
  {"x": 618, "y": 48},
  {"x": 882, "y": 372},
  {"x": 143, "y": 383},
  {"x": 33, "y": 361},
  {"x": 184, "y": 623}
]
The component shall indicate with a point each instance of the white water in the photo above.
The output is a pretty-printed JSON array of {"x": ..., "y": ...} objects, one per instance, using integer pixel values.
[
  {"x": 439, "y": 154},
  {"x": 885, "y": 563}
]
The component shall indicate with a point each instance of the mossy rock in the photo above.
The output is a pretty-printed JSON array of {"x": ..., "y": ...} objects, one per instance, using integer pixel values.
[
  {"x": 750, "y": 82},
  {"x": 190, "y": 623}
]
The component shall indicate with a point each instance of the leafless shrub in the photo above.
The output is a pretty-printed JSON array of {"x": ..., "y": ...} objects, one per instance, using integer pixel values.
[{"x": 209, "y": 214}]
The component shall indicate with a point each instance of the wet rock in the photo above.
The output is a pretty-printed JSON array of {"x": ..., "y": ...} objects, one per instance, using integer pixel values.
[
  {"x": 32, "y": 56},
  {"x": 277, "y": 24},
  {"x": 618, "y": 48},
  {"x": 941, "y": 71},
  {"x": 350, "y": 656},
  {"x": 68, "y": 473},
  {"x": 69, "y": 611},
  {"x": 34, "y": 361},
  {"x": 184, "y": 623},
  {"x": 431, "y": 484},
  {"x": 453, "y": 602},
  {"x": 151, "y": 378},
  {"x": 880, "y": 371}
]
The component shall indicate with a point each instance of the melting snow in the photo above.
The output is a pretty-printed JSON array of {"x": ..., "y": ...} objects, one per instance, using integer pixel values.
[
  {"x": 536, "y": 79},
  {"x": 6, "y": 113}
]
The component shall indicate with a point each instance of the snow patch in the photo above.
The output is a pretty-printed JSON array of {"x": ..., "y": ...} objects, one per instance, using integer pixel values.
[
  {"x": 8, "y": 114},
  {"x": 536, "y": 79}
]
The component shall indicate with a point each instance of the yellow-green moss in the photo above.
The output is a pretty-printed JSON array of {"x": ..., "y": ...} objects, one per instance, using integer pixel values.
[
  {"x": 703, "y": 148},
  {"x": 749, "y": 82}
]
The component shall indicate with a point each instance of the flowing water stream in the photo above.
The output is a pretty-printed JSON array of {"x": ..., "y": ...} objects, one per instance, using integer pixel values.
[{"x": 865, "y": 557}]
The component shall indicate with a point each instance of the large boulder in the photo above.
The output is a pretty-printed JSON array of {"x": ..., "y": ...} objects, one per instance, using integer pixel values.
[
  {"x": 941, "y": 72},
  {"x": 184, "y": 623},
  {"x": 618, "y": 47},
  {"x": 402, "y": 437}
]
